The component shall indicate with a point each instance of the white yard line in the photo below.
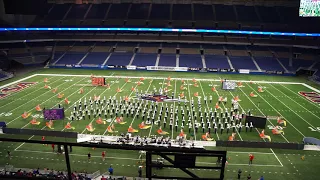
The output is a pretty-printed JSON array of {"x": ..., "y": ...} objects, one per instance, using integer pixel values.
[
  {"x": 15, "y": 82},
  {"x": 45, "y": 126},
  {"x": 296, "y": 102},
  {"x": 22, "y": 90},
  {"x": 207, "y": 106},
  {"x": 174, "y": 110},
  {"x": 225, "y": 107},
  {"x": 277, "y": 111},
  {"x": 49, "y": 91},
  {"x": 259, "y": 110},
  {"x": 104, "y": 105},
  {"x": 27, "y": 95},
  {"x": 134, "y": 159},
  {"x": 290, "y": 109},
  {"x": 301, "y": 97},
  {"x": 53, "y": 106},
  {"x": 276, "y": 157},
  {"x": 310, "y": 87},
  {"x": 112, "y": 121},
  {"x": 159, "y": 111},
  {"x": 208, "y": 79},
  {"x": 194, "y": 130},
  {"x": 134, "y": 117}
]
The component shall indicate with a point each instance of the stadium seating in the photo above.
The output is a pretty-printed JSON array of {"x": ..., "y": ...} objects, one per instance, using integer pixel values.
[
  {"x": 190, "y": 60},
  {"x": 71, "y": 58},
  {"x": 167, "y": 60},
  {"x": 95, "y": 58},
  {"x": 242, "y": 62},
  {"x": 121, "y": 59},
  {"x": 145, "y": 59},
  {"x": 217, "y": 61},
  {"x": 268, "y": 63},
  {"x": 246, "y": 13}
]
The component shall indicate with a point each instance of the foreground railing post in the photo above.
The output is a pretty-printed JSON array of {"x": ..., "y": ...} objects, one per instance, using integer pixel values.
[{"x": 66, "y": 154}]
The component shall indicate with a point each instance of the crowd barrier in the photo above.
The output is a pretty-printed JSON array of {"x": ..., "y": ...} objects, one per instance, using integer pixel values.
[
  {"x": 172, "y": 69},
  {"x": 249, "y": 144},
  {"x": 19, "y": 131}
]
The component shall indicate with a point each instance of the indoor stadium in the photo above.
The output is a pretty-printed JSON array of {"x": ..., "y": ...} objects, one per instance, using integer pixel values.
[{"x": 156, "y": 89}]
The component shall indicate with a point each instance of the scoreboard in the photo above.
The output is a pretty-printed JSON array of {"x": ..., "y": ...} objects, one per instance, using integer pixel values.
[{"x": 309, "y": 8}]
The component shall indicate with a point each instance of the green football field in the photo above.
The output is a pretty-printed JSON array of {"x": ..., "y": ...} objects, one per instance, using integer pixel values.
[{"x": 280, "y": 97}]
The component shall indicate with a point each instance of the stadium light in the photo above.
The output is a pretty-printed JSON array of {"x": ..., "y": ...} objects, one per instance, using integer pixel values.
[{"x": 165, "y": 30}]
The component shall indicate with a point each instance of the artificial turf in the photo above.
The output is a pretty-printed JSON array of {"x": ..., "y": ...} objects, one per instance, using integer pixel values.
[{"x": 302, "y": 118}]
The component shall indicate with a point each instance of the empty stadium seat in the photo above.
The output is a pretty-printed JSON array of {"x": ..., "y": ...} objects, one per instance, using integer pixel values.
[{"x": 217, "y": 61}]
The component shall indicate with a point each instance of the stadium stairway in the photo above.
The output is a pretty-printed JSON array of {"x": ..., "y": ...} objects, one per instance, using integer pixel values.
[
  {"x": 89, "y": 51},
  {"x": 255, "y": 63},
  {"x": 59, "y": 58},
  {"x": 177, "y": 60},
  {"x": 285, "y": 69},
  {"x": 203, "y": 61}
]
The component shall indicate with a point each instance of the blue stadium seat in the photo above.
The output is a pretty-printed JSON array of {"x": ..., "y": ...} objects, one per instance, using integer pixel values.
[
  {"x": 98, "y": 11},
  {"x": 190, "y": 60},
  {"x": 268, "y": 63},
  {"x": 118, "y": 11},
  {"x": 58, "y": 11},
  {"x": 145, "y": 59},
  {"x": 203, "y": 12},
  {"x": 217, "y": 61},
  {"x": 225, "y": 13},
  {"x": 243, "y": 62},
  {"x": 167, "y": 60},
  {"x": 160, "y": 12},
  {"x": 95, "y": 58},
  {"x": 247, "y": 13},
  {"x": 77, "y": 11},
  {"x": 121, "y": 59},
  {"x": 268, "y": 14},
  {"x": 71, "y": 58},
  {"x": 139, "y": 11},
  {"x": 181, "y": 12}
]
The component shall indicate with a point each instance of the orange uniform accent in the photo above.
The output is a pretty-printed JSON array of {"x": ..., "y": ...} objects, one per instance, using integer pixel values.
[
  {"x": 66, "y": 101},
  {"x": 252, "y": 94},
  {"x": 132, "y": 88},
  {"x": 169, "y": 78},
  {"x": 49, "y": 124},
  {"x": 196, "y": 94},
  {"x": 81, "y": 91},
  {"x": 194, "y": 80},
  {"x": 25, "y": 115},
  {"x": 34, "y": 122},
  {"x": 141, "y": 79},
  {"x": 38, "y": 108},
  {"x": 217, "y": 106},
  {"x": 60, "y": 95},
  {"x": 213, "y": 89},
  {"x": 131, "y": 130},
  {"x": 99, "y": 121},
  {"x": 239, "y": 83},
  {"x": 54, "y": 90},
  {"x": 139, "y": 83},
  {"x": 182, "y": 95}
]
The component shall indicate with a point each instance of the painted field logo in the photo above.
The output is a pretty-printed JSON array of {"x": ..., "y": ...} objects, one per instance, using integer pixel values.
[
  {"x": 4, "y": 92},
  {"x": 311, "y": 96}
]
